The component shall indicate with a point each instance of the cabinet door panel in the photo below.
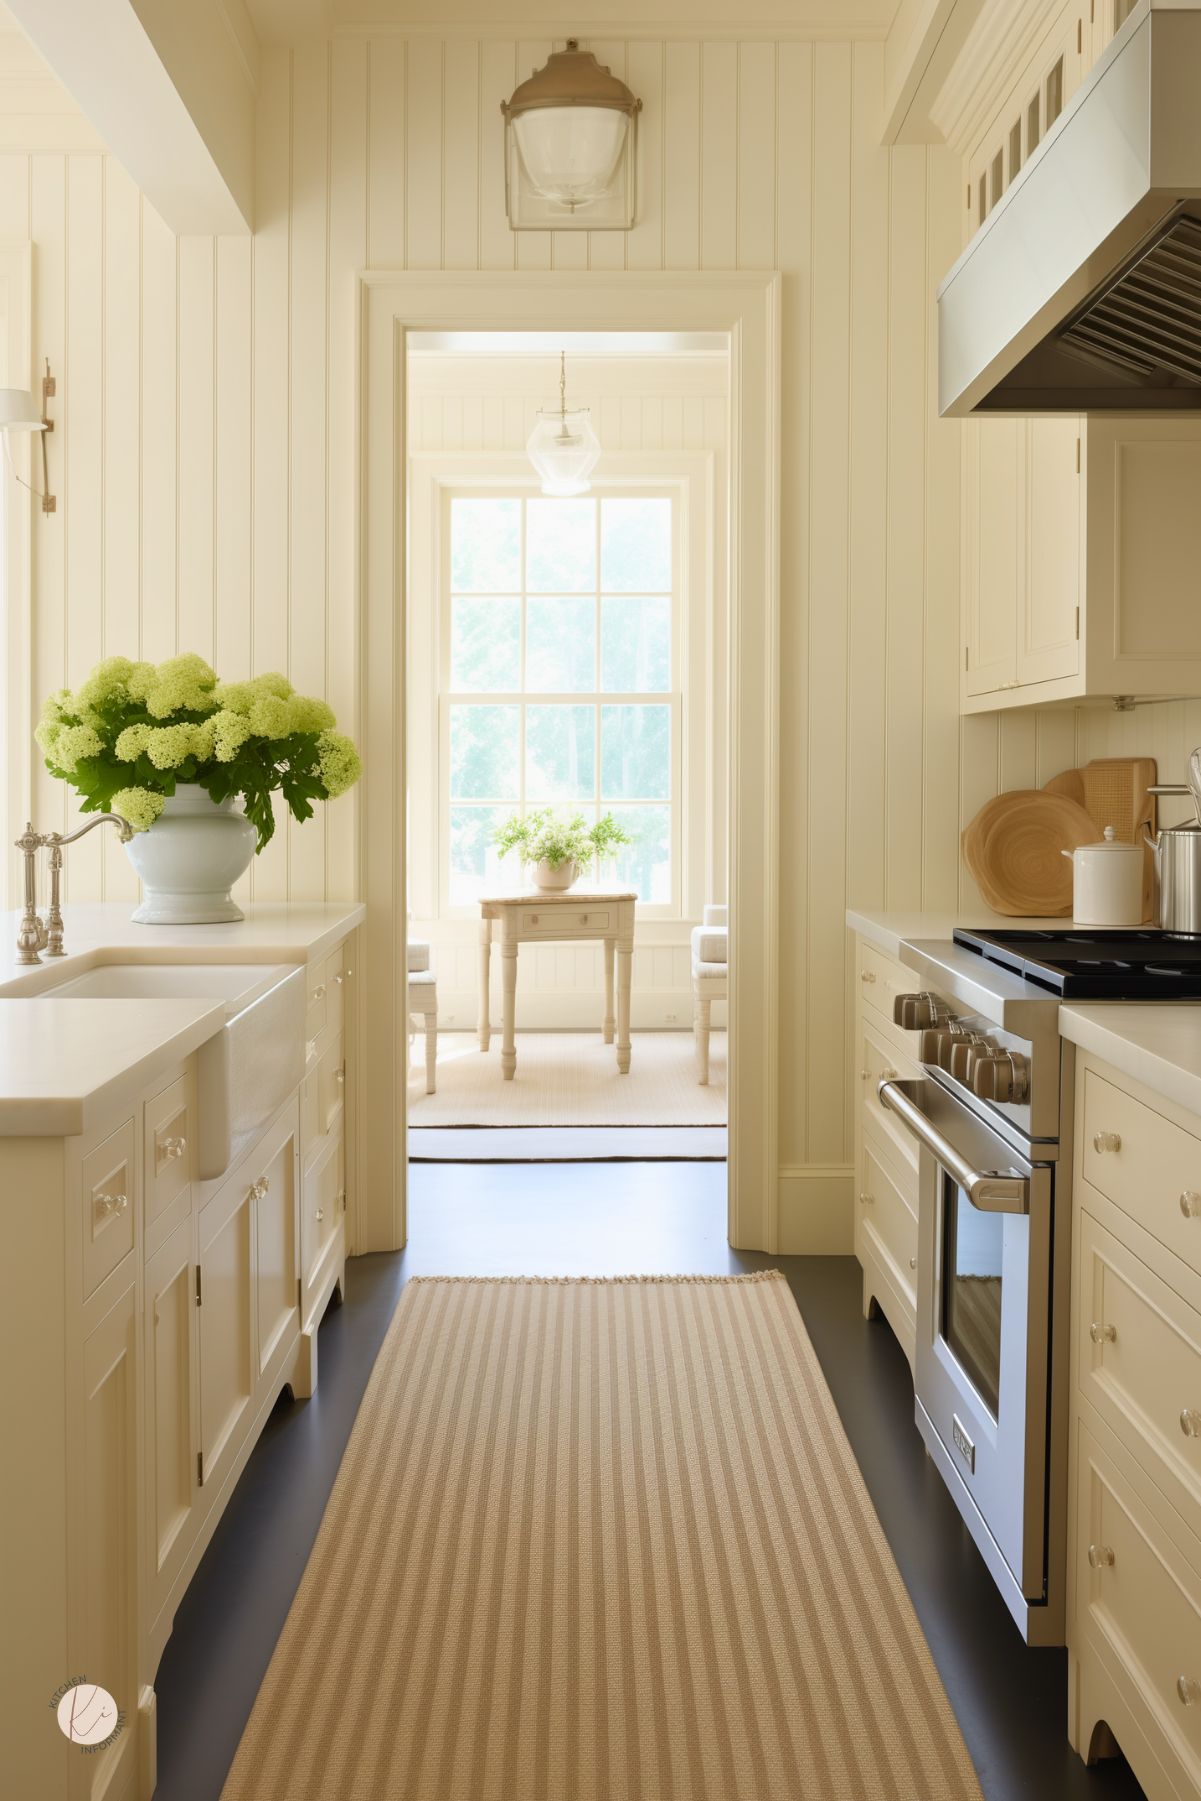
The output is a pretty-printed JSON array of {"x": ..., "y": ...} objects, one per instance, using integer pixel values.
[
  {"x": 276, "y": 1262},
  {"x": 171, "y": 1326},
  {"x": 225, "y": 1323},
  {"x": 991, "y": 554},
  {"x": 1049, "y": 615},
  {"x": 107, "y": 1573}
]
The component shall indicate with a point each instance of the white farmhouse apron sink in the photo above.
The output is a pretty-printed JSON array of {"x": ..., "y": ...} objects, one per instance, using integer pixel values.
[{"x": 245, "y": 1071}]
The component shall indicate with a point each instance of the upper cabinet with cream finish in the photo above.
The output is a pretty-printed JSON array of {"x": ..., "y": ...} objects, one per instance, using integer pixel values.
[{"x": 1081, "y": 559}]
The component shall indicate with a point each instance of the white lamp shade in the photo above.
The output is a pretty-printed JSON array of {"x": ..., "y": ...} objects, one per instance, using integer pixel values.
[
  {"x": 18, "y": 411},
  {"x": 570, "y": 153},
  {"x": 564, "y": 450}
]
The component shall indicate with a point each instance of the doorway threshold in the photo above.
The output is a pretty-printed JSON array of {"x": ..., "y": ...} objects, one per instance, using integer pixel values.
[{"x": 567, "y": 1144}]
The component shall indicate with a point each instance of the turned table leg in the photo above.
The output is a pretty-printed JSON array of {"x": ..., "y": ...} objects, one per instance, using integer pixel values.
[
  {"x": 625, "y": 960},
  {"x": 508, "y": 1045},
  {"x": 485, "y": 1026},
  {"x": 610, "y": 949}
]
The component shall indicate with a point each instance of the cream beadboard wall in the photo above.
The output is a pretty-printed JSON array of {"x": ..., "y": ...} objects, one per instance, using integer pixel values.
[
  {"x": 205, "y": 454},
  {"x": 660, "y": 414}
]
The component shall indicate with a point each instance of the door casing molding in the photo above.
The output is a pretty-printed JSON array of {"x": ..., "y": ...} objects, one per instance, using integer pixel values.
[{"x": 746, "y": 305}]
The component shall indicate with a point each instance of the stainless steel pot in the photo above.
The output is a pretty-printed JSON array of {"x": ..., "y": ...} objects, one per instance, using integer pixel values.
[{"x": 1177, "y": 851}]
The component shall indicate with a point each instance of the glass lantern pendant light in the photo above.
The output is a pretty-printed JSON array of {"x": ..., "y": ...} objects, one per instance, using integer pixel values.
[
  {"x": 570, "y": 134},
  {"x": 563, "y": 447}
]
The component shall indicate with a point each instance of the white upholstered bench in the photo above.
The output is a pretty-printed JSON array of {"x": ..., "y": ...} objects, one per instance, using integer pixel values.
[{"x": 710, "y": 978}]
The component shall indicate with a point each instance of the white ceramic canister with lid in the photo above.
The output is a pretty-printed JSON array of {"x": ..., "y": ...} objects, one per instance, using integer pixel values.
[{"x": 1107, "y": 883}]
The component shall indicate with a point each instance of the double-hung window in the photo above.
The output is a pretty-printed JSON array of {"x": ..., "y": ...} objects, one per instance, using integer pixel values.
[{"x": 560, "y": 660}]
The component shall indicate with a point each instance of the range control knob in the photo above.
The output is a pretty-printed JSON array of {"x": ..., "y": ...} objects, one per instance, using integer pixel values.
[
  {"x": 916, "y": 1011},
  {"x": 1002, "y": 1076},
  {"x": 965, "y": 1052},
  {"x": 953, "y": 1034}
]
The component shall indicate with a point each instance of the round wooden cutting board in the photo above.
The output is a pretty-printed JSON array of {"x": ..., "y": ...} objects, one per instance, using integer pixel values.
[{"x": 1014, "y": 848}]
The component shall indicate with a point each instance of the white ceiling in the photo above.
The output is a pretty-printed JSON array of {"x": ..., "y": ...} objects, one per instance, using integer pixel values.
[{"x": 286, "y": 21}]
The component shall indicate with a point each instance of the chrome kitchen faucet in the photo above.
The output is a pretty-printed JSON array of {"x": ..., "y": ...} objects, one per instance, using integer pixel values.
[{"x": 36, "y": 934}]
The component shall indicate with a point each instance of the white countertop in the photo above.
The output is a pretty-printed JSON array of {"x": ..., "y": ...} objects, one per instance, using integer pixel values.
[
  {"x": 64, "y": 1062},
  {"x": 1156, "y": 1043},
  {"x": 888, "y": 929}
]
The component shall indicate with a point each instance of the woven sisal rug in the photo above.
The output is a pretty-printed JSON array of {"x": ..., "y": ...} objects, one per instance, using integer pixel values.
[{"x": 600, "y": 1540}]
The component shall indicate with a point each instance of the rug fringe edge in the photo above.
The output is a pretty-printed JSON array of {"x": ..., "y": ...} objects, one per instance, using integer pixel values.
[{"x": 754, "y": 1275}]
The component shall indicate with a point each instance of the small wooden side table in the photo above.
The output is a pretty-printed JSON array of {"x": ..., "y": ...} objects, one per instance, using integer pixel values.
[{"x": 534, "y": 917}]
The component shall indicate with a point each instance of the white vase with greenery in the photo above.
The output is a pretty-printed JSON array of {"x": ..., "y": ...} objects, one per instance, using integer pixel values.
[{"x": 559, "y": 849}]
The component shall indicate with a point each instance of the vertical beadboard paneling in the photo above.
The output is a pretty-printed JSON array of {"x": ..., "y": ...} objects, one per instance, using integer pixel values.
[
  {"x": 197, "y": 445},
  {"x": 719, "y": 155},
  {"x": 386, "y": 159},
  {"x": 81, "y": 410},
  {"x": 48, "y": 225},
  {"x": 461, "y": 172},
  {"x": 498, "y": 78},
  {"x": 755, "y": 202},
  {"x": 644, "y": 248},
  {"x": 682, "y": 156},
  {"x": 159, "y": 403},
  {"x": 794, "y": 240},
  {"x": 271, "y": 411},
  {"x": 122, "y": 456},
  {"x": 309, "y": 395},
  {"x": 829, "y": 481}
]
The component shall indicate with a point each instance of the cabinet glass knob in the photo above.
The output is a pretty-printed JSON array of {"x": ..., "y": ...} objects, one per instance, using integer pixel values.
[
  {"x": 1190, "y": 1422},
  {"x": 174, "y": 1147},
  {"x": 340, "y": 1076},
  {"x": 1189, "y": 1689},
  {"x": 1106, "y": 1141},
  {"x": 913, "y": 1263},
  {"x": 1100, "y": 1557},
  {"x": 320, "y": 1213},
  {"x": 259, "y": 1189},
  {"x": 866, "y": 1200},
  {"x": 339, "y": 980},
  {"x": 865, "y": 975},
  {"x": 1190, "y": 1204},
  {"x": 111, "y": 1203},
  {"x": 1101, "y": 1334},
  {"x": 319, "y": 992}
]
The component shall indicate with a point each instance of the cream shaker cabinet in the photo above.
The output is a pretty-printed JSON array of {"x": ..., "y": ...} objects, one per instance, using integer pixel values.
[
  {"x": 152, "y": 1321},
  {"x": 1081, "y": 559}
]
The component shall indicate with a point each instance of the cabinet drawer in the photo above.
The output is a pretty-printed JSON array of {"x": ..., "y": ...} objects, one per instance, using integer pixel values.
[
  {"x": 1140, "y": 1599},
  {"x": 335, "y": 991},
  {"x": 317, "y": 995},
  {"x": 108, "y": 1197},
  {"x": 877, "y": 1056},
  {"x": 882, "y": 979},
  {"x": 1138, "y": 1360},
  {"x": 549, "y": 920},
  {"x": 886, "y": 1218},
  {"x": 331, "y": 1084},
  {"x": 166, "y": 1145},
  {"x": 1147, "y": 1165},
  {"x": 323, "y": 1201}
]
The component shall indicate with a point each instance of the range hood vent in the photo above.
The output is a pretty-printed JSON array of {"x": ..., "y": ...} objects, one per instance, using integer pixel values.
[{"x": 1081, "y": 292}]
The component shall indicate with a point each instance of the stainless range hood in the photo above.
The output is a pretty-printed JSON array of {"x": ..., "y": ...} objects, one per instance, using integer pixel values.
[{"x": 1081, "y": 292}]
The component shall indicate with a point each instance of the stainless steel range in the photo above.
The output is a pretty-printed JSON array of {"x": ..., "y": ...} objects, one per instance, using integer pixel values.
[{"x": 989, "y": 1115}]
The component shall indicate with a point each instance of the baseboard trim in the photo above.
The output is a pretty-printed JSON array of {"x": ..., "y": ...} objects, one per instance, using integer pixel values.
[{"x": 817, "y": 1209}]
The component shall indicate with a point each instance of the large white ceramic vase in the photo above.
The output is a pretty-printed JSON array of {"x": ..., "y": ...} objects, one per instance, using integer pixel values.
[
  {"x": 552, "y": 880},
  {"x": 189, "y": 860}
]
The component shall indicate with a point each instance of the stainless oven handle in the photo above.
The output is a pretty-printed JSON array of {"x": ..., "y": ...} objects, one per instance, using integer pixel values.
[{"x": 990, "y": 1192}]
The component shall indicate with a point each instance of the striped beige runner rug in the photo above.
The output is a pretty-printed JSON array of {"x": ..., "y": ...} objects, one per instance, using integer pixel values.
[{"x": 600, "y": 1541}]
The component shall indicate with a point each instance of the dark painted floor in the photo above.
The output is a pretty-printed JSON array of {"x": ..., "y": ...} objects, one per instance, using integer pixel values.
[{"x": 587, "y": 1219}]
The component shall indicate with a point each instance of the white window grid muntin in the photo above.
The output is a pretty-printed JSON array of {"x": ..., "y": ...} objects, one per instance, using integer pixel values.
[{"x": 596, "y": 699}]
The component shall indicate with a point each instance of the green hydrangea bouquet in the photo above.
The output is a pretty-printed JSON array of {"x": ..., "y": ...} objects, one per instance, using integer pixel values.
[{"x": 132, "y": 732}]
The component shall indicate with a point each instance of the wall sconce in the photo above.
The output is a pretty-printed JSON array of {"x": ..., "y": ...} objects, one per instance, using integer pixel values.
[
  {"x": 18, "y": 412},
  {"x": 570, "y": 142}
]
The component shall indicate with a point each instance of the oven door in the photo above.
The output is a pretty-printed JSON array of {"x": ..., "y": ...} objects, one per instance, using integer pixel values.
[{"x": 982, "y": 1375}]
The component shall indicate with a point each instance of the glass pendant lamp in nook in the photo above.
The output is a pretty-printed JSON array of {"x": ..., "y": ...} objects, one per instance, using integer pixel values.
[
  {"x": 563, "y": 447},
  {"x": 570, "y": 140}
]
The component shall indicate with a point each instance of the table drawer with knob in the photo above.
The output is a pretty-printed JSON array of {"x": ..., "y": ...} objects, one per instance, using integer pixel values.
[
  {"x": 881, "y": 982},
  {"x": 1138, "y": 1361},
  {"x": 1146, "y": 1164},
  {"x": 878, "y": 1057},
  {"x": 108, "y": 1177},
  {"x": 167, "y": 1137},
  {"x": 1138, "y": 1600},
  {"x": 549, "y": 921}
]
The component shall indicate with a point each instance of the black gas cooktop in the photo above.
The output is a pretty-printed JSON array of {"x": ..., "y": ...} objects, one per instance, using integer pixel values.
[{"x": 1140, "y": 964}]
